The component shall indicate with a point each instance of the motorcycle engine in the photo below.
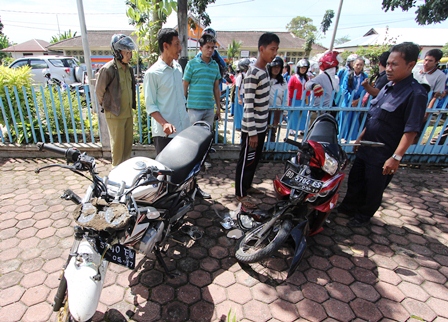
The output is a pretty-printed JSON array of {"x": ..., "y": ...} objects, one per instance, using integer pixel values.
[{"x": 151, "y": 237}]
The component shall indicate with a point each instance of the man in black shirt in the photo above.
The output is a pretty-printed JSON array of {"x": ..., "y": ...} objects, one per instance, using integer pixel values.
[
  {"x": 395, "y": 118},
  {"x": 381, "y": 80}
]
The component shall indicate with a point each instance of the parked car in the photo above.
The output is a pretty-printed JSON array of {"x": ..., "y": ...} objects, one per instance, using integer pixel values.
[{"x": 63, "y": 69}]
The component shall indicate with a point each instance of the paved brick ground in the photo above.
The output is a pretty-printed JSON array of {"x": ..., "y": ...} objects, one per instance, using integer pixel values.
[{"x": 396, "y": 270}]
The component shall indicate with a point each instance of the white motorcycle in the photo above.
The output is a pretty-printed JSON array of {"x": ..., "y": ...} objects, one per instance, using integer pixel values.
[{"x": 135, "y": 208}]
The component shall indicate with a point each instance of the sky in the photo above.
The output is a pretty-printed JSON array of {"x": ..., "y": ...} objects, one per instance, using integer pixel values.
[{"x": 36, "y": 19}]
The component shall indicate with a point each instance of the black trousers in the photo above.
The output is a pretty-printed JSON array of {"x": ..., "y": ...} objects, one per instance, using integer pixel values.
[
  {"x": 247, "y": 163},
  {"x": 160, "y": 142},
  {"x": 366, "y": 184}
]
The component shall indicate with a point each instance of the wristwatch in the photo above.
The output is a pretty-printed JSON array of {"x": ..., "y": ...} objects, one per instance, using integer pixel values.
[{"x": 397, "y": 157}]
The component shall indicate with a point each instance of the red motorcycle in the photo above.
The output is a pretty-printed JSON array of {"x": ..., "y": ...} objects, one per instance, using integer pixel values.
[{"x": 307, "y": 192}]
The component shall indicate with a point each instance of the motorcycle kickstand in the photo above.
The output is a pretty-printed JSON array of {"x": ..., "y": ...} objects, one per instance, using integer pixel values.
[{"x": 162, "y": 263}]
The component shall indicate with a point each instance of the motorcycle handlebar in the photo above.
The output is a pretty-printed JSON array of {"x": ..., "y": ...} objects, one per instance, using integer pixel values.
[
  {"x": 292, "y": 142},
  {"x": 70, "y": 154}
]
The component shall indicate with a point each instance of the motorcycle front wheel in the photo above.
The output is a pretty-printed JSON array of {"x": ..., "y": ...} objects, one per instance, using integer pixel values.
[
  {"x": 253, "y": 247},
  {"x": 63, "y": 315}
]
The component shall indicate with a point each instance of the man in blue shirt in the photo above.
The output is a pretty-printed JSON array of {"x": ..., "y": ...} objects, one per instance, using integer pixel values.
[{"x": 395, "y": 118}]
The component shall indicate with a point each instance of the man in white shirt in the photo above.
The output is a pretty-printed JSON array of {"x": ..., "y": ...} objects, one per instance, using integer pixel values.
[{"x": 428, "y": 73}]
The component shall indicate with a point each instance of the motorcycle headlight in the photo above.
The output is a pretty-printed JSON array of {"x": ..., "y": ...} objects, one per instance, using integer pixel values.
[{"x": 331, "y": 165}]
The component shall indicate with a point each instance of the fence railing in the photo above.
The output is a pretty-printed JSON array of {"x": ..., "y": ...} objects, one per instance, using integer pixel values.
[{"x": 56, "y": 116}]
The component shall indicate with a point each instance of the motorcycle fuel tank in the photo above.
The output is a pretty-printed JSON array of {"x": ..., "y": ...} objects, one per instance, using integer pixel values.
[{"x": 129, "y": 171}]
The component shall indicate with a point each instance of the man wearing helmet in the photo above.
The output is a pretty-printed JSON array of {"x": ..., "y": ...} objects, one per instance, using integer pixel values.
[
  {"x": 348, "y": 66},
  {"x": 115, "y": 91},
  {"x": 255, "y": 117},
  {"x": 326, "y": 82}
]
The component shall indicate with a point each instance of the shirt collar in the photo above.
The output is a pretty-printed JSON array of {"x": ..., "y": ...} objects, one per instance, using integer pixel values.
[
  {"x": 403, "y": 83},
  {"x": 121, "y": 65},
  {"x": 164, "y": 65},
  {"x": 431, "y": 71}
]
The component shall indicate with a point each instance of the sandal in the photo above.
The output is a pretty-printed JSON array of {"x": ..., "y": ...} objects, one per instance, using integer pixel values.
[{"x": 247, "y": 202}]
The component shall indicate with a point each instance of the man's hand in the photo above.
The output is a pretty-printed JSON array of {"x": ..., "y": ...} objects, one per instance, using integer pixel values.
[
  {"x": 390, "y": 166},
  {"x": 355, "y": 103},
  {"x": 217, "y": 115},
  {"x": 169, "y": 128},
  {"x": 318, "y": 90},
  {"x": 253, "y": 141}
]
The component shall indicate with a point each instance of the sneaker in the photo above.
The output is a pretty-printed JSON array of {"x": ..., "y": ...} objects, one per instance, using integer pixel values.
[
  {"x": 254, "y": 191},
  {"x": 357, "y": 223}
]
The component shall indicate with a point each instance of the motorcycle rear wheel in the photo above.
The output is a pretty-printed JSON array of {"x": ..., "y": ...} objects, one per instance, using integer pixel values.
[{"x": 247, "y": 250}]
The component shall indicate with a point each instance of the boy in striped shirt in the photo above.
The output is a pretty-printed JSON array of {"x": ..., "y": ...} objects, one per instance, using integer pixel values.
[
  {"x": 201, "y": 84},
  {"x": 255, "y": 117}
]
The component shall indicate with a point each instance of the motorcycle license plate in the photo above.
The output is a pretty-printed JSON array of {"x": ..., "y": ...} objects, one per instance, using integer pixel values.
[
  {"x": 296, "y": 181},
  {"x": 118, "y": 254}
]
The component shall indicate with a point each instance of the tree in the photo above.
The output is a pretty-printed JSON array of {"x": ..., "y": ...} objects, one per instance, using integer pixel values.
[
  {"x": 148, "y": 17},
  {"x": 301, "y": 27},
  {"x": 197, "y": 10},
  {"x": 308, "y": 45},
  {"x": 326, "y": 21},
  {"x": 65, "y": 35},
  {"x": 4, "y": 43},
  {"x": 445, "y": 50},
  {"x": 232, "y": 50},
  {"x": 432, "y": 11},
  {"x": 342, "y": 40}
]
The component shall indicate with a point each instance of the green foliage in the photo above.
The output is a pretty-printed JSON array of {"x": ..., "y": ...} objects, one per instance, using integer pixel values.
[
  {"x": 6, "y": 61},
  {"x": 65, "y": 35},
  {"x": 231, "y": 318},
  {"x": 146, "y": 130},
  {"x": 148, "y": 16},
  {"x": 301, "y": 27},
  {"x": 56, "y": 101},
  {"x": 233, "y": 49},
  {"x": 429, "y": 12},
  {"x": 4, "y": 43},
  {"x": 59, "y": 101},
  {"x": 308, "y": 45},
  {"x": 326, "y": 21},
  {"x": 10, "y": 78},
  {"x": 197, "y": 9},
  {"x": 342, "y": 40},
  {"x": 445, "y": 50}
]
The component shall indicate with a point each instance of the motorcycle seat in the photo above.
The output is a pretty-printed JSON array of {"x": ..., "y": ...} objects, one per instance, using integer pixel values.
[
  {"x": 185, "y": 151},
  {"x": 324, "y": 129}
]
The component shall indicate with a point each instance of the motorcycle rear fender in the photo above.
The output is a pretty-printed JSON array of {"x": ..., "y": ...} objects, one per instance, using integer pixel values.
[
  {"x": 298, "y": 235},
  {"x": 84, "y": 285}
]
